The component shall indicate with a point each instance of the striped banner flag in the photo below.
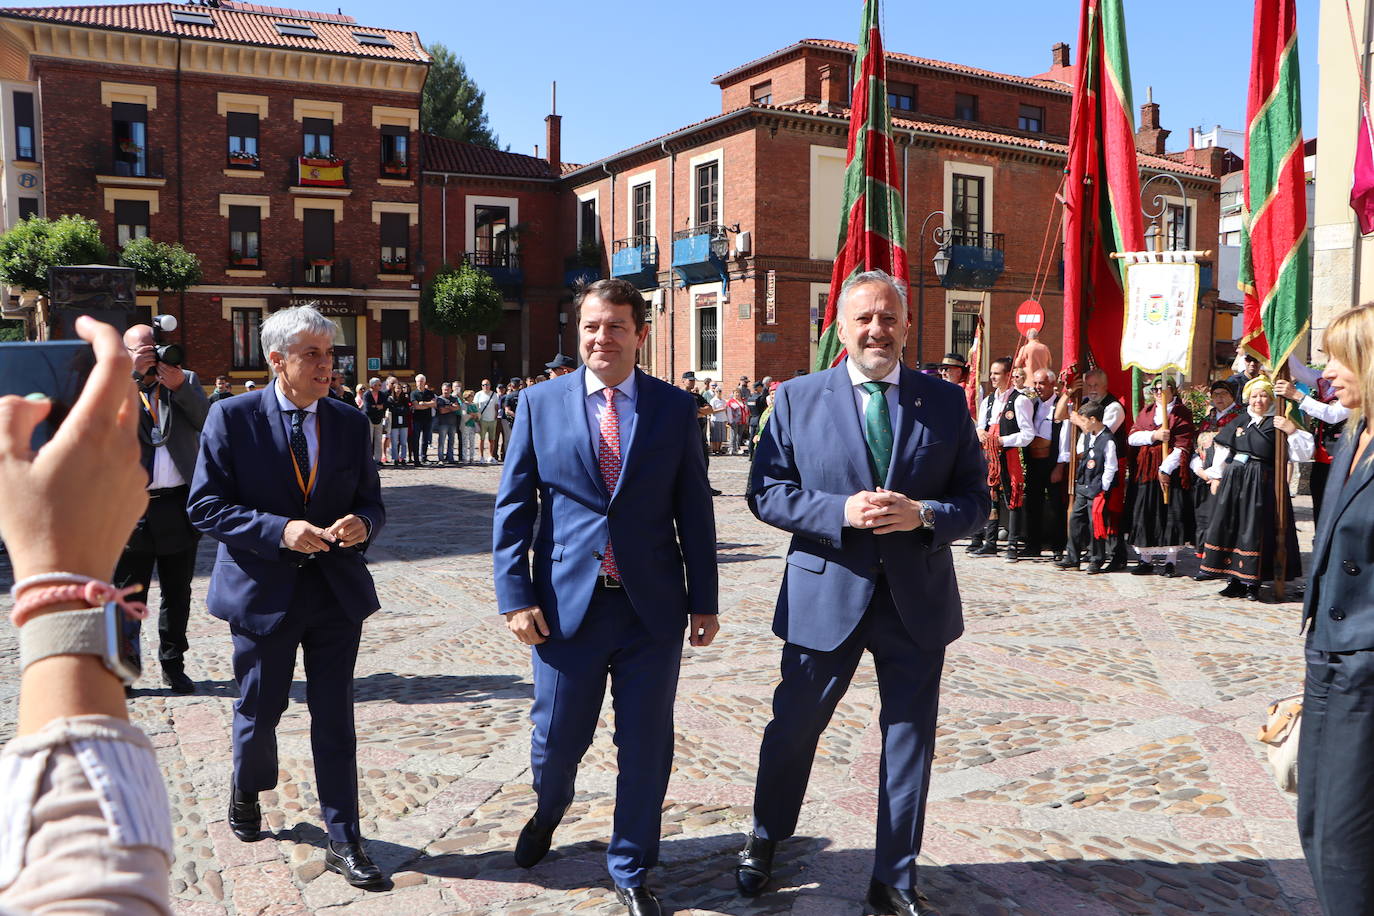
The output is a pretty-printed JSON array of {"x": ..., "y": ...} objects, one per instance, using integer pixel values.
[
  {"x": 1101, "y": 196},
  {"x": 872, "y": 217},
  {"x": 1275, "y": 251}
]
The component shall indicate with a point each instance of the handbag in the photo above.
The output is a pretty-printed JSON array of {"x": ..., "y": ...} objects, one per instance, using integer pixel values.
[{"x": 1280, "y": 733}]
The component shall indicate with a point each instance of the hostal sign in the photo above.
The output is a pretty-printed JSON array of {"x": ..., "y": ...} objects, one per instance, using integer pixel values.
[{"x": 331, "y": 305}]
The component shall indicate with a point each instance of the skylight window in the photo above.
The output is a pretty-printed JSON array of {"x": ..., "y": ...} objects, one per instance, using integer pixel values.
[
  {"x": 367, "y": 38},
  {"x": 295, "y": 30},
  {"x": 192, "y": 17}
]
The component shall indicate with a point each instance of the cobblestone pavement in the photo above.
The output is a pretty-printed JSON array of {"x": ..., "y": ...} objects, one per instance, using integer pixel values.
[{"x": 1095, "y": 748}]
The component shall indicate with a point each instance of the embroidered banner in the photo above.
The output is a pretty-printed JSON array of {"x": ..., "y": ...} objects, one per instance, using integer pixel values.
[{"x": 1161, "y": 310}]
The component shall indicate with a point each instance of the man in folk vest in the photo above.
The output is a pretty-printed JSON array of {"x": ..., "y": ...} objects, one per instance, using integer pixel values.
[{"x": 1006, "y": 424}]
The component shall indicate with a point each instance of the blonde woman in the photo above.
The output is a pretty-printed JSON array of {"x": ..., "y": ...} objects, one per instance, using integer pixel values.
[
  {"x": 468, "y": 426},
  {"x": 1336, "y": 749}
]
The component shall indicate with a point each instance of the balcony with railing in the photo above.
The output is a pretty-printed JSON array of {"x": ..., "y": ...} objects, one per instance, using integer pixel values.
[
  {"x": 334, "y": 272},
  {"x": 321, "y": 171},
  {"x": 503, "y": 266},
  {"x": 699, "y": 254},
  {"x": 114, "y": 161},
  {"x": 976, "y": 259},
  {"x": 636, "y": 259}
]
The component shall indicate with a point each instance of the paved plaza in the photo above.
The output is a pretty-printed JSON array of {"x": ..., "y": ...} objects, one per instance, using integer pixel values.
[{"x": 1096, "y": 751}]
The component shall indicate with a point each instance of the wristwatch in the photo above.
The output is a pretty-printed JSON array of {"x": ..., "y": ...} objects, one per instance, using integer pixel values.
[
  {"x": 97, "y": 631},
  {"x": 927, "y": 515}
]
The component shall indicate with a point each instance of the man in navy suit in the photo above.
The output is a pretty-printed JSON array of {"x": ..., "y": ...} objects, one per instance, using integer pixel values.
[
  {"x": 286, "y": 483},
  {"x": 608, "y": 461},
  {"x": 874, "y": 468}
]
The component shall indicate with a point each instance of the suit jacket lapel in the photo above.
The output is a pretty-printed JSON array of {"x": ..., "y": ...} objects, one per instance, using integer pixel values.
[
  {"x": 908, "y": 430},
  {"x": 271, "y": 413},
  {"x": 576, "y": 400},
  {"x": 839, "y": 407},
  {"x": 646, "y": 401},
  {"x": 1357, "y": 479}
]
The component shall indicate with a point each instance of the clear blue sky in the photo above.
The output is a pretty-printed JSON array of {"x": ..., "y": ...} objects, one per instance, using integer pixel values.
[{"x": 629, "y": 71}]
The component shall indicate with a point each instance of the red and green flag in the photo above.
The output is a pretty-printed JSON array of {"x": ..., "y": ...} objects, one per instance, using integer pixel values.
[
  {"x": 872, "y": 217},
  {"x": 1101, "y": 195},
  {"x": 1275, "y": 254}
]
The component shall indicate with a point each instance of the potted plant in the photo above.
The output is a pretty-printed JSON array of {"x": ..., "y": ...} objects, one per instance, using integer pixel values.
[
  {"x": 396, "y": 167},
  {"x": 243, "y": 159},
  {"x": 239, "y": 259},
  {"x": 395, "y": 265},
  {"x": 317, "y": 158}
]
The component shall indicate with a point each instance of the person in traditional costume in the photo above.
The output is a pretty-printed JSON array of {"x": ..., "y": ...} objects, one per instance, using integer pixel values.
[
  {"x": 1161, "y": 517},
  {"x": 1224, "y": 411},
  {"x": 1006, "y": 424},
  {"x": 1241, "y": 539}
]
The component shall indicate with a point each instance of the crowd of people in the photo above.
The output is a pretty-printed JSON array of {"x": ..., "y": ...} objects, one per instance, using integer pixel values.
[{"x": 86, "y": 815}]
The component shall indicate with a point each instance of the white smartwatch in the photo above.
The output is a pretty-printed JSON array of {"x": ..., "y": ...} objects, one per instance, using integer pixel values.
[{"x": 97, "y": 631}]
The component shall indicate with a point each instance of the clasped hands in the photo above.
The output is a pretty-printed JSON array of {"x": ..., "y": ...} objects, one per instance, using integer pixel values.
[
  {"x": 305, "y": 537},
  {"x": 882, "y": 511}
]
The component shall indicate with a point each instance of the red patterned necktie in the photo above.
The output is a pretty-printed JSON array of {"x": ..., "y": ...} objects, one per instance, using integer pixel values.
[{"x": 608, "y": 455}]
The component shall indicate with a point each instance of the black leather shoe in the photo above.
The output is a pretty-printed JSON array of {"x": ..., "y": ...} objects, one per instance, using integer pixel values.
[
  {"x": 1233, "y": 589},
  {"x": 1203, "y": 576},
  {"x": 1142, "y": 569},
  {"x": 974, "y": 546},
  {"x": 179, "y": 683},
  {"x": 1096, "y": 569},
  {"x": 989, "y": 549},
  {"x": 755, "y": 868},
  {"x": 896, "y": 901},
  {"x": 1013, "y": 555},
  {"x": 533, "y": 845},
  {"x": 1114, "y": 566},
  {"x": 1169, "y": 571},
  {"x": 1252, "y": 591},
  {"x": 638, "y": 901},
  {"x": 351, "y": 861},
  {"x": 1066, "y": 563},
  {"x": 245, "y": 815}
]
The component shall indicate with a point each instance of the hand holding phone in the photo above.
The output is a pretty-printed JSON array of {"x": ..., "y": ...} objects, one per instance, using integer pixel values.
[{"x": 71, "y": 505}]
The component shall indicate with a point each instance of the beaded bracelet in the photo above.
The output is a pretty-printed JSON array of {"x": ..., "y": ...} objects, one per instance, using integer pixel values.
[{"x": 47, "y": 589}]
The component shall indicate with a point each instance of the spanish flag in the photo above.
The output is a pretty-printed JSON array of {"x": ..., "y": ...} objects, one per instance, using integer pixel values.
[{"x": 321, "y": 173}]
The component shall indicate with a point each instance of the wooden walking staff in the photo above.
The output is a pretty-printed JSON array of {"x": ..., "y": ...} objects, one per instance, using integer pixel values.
[
  {"x": 1164, "y": 405},
  {"x": 1280, "y": 496}
]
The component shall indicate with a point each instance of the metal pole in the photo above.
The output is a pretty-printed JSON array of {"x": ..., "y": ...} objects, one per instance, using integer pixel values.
[{"x": 938, "y": 238}]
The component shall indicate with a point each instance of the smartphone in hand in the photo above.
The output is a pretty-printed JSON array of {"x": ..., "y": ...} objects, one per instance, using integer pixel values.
[{"x": 55, "y": 368}]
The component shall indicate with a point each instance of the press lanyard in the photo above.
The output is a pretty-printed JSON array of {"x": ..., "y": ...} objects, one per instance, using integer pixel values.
[
  {"x": 307, "y": 485},
  {"x": 159, "y": 431}
]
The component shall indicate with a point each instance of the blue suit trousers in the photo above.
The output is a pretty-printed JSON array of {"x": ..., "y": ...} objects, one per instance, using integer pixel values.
[
  {"x": 812, "y": 685},
  {"x": 569, "y": 686},
  {"x": 264, "y": 667}
]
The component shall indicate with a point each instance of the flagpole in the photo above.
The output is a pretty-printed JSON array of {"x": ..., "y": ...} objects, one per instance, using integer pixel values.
[{"x": 1281, "y": 497}]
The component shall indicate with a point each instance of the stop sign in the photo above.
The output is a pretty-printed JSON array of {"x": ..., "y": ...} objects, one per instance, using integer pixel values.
[{"x": 1029, "y": 317}]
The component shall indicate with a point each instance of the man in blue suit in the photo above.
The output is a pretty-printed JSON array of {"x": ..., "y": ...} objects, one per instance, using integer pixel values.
[
  {"x": 286, "y": 483},
  {"x": 608, "y": 461},
  {"x": 874, "y": 468}
]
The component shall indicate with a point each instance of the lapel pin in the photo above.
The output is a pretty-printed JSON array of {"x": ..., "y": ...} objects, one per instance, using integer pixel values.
[{"x": 918, "y": 402}]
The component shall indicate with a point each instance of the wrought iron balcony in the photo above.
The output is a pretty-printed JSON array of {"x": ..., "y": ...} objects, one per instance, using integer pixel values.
[
  {"x": 321, "y": 272},
  {"x": 976, "y": 259},
  {"x": 699, "y": 254},
  {"x": 636, "y": 259},
  {"x": 503, "y": 266},
  {"x": 125, "y": 160}
]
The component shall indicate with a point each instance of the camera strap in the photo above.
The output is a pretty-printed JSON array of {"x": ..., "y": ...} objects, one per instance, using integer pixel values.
[{"x": 159, "y": 416}]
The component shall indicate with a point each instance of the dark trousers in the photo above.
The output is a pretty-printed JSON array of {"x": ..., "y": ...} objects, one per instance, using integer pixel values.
[
  {"x": 1336, "y": 780},
  {"x": 1316, "y": 485},
  {"x": 1082, "y": 544},
  {"x": 1046, "y": 517},
  {"x": 264, "y": 667},
  {"x": 569, "y": 685},
  {"x": 165, "y": 540},
  {"x": 812, "y": 684},
  {"x": 423, "y": 436},
  {"x": 1005, "y": 517}
]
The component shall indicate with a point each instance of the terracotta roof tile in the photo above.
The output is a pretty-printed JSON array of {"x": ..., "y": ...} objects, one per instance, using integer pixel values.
[
  {"x": 849, "y": 47},
  {"x": 440, "y": 154},
  {"x": 235, "y": 23}
]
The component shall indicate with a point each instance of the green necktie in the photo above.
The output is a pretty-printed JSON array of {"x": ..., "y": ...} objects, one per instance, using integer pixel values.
[{"x": 878, "y": 430}]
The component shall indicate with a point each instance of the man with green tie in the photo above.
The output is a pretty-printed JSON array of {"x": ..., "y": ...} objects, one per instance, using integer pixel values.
[{"x": 874, "y": 469}]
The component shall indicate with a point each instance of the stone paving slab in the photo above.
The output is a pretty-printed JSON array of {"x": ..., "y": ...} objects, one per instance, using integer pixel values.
[{"x": 1094, "y": 752}]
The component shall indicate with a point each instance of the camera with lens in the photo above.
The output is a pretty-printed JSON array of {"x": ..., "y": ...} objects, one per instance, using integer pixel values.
[{"x": 170, "y": 353}]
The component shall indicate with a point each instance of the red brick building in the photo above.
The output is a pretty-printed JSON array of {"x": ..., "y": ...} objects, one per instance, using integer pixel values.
[
  {"x": 277, "y": 145},
  {"x": 732, "y": 221}
]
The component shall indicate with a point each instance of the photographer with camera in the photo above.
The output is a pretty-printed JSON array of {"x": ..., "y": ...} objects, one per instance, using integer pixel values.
[{"x": 172, "y": 410}]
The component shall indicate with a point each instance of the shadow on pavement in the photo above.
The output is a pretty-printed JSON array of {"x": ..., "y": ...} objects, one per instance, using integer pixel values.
[{"x": 415, "y": 689}]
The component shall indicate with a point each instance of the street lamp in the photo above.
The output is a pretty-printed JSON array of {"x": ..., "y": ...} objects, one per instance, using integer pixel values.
[{"x": 940, "y": 235}]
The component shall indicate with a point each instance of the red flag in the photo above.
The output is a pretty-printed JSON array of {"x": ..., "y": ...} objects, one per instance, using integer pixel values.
[
  {"x": 975, "y": 363},
  {"x": 1362, "y": 188},
  {"x": 1101, "y": 196}
]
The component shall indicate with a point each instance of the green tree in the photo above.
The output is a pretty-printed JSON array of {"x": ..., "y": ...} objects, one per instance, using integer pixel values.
[
  {"x": 11, "y": 330},
  {"x": 461, "y": 300},
  {"x": 452, "y": 106},
  {"x": 163, "y": 266},
  {"x": 34, "y": 245}
]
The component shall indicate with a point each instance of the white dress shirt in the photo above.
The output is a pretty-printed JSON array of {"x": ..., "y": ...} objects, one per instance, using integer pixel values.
[
  {"x": 595, "y": 403},
  {"x": 1146, "y": 437},
  {"x": 1301, "y": 447},
  {"x": 1332, "y": 413},
  {"x": 1025, "y": 418},
  {"x": 165, "y": 473},
  {"x": 309, "y": 425},
  {"x": 857, "y": 380}
]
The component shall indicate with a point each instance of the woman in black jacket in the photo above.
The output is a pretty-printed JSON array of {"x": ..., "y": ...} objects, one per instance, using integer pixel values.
[
  {"x": 1336, "y": 749},
  {"x": 399, "y": 407}
]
